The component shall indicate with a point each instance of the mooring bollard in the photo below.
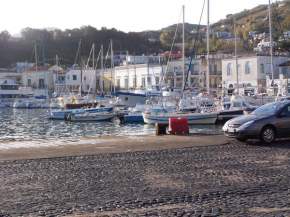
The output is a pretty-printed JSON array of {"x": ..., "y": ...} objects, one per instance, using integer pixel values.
[{"x": 160, "y": 129}]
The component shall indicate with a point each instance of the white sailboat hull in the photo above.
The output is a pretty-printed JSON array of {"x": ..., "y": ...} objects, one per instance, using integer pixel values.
[
  {"x": 193, "y": 118},
  {"x": 92, "y": 117}
]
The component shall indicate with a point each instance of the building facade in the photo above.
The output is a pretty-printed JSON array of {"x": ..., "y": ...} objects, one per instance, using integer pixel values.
[
  {"x": 251, "y": 72},
  {"x": 40, "y": 79}
]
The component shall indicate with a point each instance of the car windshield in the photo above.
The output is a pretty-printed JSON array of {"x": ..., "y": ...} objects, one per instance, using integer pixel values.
[{"x": 268, "y": 109}]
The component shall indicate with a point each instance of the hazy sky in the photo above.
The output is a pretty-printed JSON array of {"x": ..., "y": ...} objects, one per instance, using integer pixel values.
[{"x": 124, "y": 15}]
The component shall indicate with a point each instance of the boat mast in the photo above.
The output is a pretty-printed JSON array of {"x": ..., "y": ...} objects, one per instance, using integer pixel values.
[
  {"x": 81, "y": 54},
  {"x": 207, "y": 39},
  {"x": 43, "y": 55},
  {"x": 102, "y": 68},
  {"x": 127, "y": 66},
  {"x": 135, "y": 86},
  {"x": 93, "y": 64},
  {"x": 57, "y": 79},
  {"x": 112, "y": 66},
  {"x": 183, "y": 49},
  {"x": 236, "y": 55},
  {"x": 271, "y": 46},
  {"x": 36, "y": 66}
]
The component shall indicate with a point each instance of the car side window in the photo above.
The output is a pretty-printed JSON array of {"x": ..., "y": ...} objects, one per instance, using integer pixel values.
[{"x": 286, "y": 111}]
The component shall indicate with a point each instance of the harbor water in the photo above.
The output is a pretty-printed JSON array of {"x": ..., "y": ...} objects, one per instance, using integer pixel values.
[{"x": 29, "y": 124}]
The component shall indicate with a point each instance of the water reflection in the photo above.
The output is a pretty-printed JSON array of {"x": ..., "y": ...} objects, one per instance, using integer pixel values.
[{"x": 26, "y": 124}]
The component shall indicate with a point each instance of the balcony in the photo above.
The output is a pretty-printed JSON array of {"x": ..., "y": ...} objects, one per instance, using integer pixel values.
[
  {"x": 194, "y": 73},
  {"x": 215, "y": 73},
  {"x": 59, "y": 83}
]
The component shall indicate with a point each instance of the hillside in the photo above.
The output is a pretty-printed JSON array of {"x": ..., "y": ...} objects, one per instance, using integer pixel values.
[
  {"x": 256, "y": 19},
  {"x": 65, "y": 43}
]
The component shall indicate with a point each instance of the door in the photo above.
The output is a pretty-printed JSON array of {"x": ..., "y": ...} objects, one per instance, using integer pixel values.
[{"x": 284, "y": 122}]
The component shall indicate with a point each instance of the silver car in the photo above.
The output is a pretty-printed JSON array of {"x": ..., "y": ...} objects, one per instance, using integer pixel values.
[{"x": 266, "y": 123}]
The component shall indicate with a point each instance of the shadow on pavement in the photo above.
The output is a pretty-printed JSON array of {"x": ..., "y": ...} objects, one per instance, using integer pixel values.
[{"x": 279, "y": 143}]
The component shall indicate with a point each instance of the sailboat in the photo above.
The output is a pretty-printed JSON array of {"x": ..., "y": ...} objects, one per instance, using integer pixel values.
[
  {"x": 203, "y": 117},
  {"x": 39, "y": 101}
]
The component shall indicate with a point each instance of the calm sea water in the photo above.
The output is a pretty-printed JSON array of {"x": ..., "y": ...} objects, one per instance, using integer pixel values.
[{"x": 26, "y": 124}]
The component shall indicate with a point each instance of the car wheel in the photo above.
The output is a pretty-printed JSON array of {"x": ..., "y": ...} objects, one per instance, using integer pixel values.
[
  {"x": 267, "y": 135},
  {"x": 241, "y": 140}
]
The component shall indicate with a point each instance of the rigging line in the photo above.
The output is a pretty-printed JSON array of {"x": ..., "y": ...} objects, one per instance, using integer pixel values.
[
  {"x": 107, "y": 55},
  {"x": 31, "y": 55},
  {"x": 77, "y": 53},
  {"x": 95, "y": 70},
  {"x": 167, "y": 64},
  {"x": 163, "y": 77},
  {"x": 193, "y": 50},
  {"x": 85, "y": 69}
]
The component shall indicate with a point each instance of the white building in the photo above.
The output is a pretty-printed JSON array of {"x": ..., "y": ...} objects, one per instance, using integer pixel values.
[
  {"x": 72, "y": 79},
  {"x": 40, "y": 79},
  {"x": 264, "y": 46},
  {"x": 139, "y": 76},
  {"x": 252, "y": 33},
  {"x": 142, "y": 59},
  {"x": 286, "y": 34},
  {"x": 21, "y": 66},
  {"x": 224, "y": 34},
  {"x": 252, "y": 72}
]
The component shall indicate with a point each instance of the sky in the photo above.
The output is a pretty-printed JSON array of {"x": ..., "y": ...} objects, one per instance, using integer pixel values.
[{"x": 124, "y": 15}]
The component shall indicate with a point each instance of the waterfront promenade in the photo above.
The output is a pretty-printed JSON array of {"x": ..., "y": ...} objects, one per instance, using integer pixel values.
[{"x": 193, "y": 175}]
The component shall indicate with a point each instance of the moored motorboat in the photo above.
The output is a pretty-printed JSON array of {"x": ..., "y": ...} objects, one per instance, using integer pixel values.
[
  {"x": 60, "y": 114},
  {"x": 102, "y": 116}
]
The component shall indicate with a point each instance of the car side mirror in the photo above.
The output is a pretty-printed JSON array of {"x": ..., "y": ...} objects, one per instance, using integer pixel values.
[{"x": 281, "y": 115}]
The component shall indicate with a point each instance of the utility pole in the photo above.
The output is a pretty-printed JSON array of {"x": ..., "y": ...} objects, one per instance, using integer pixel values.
[{"x": 236, "y": 55}]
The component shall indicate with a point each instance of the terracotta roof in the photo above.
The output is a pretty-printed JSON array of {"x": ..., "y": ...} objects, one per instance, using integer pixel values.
[
  {"x": 284, "y": 64},
  {"x": 61, "y": 71},
  {"x": 39, "y": 68}
]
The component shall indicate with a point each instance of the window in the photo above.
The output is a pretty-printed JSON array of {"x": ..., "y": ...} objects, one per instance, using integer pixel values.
[
  {"x": 118, "y": 82},
  {"x": 262, "y": 68},
  {"x": 68, "y": 77},
  {"x": 85, "y": 78},
  {"x": 143, "y": 82},
  {"x": 126, "y": 81},
  {"x": 134, "y": 81},
  {"x": 74, "y": 77},
  {"x": 248, "y": 68},
  {"x": 157, "y": 80},
  {"x": 29, "y": 82},
  {"x": 41, "y": 83},
  {"x": 215, "y": 68},
  {"x": 229, "y": 69},
  {"x": 286, "y": 111}
]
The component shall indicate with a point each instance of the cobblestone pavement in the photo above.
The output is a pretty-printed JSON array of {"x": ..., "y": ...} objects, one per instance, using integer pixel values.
[{"x": 229, "y": 180}]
